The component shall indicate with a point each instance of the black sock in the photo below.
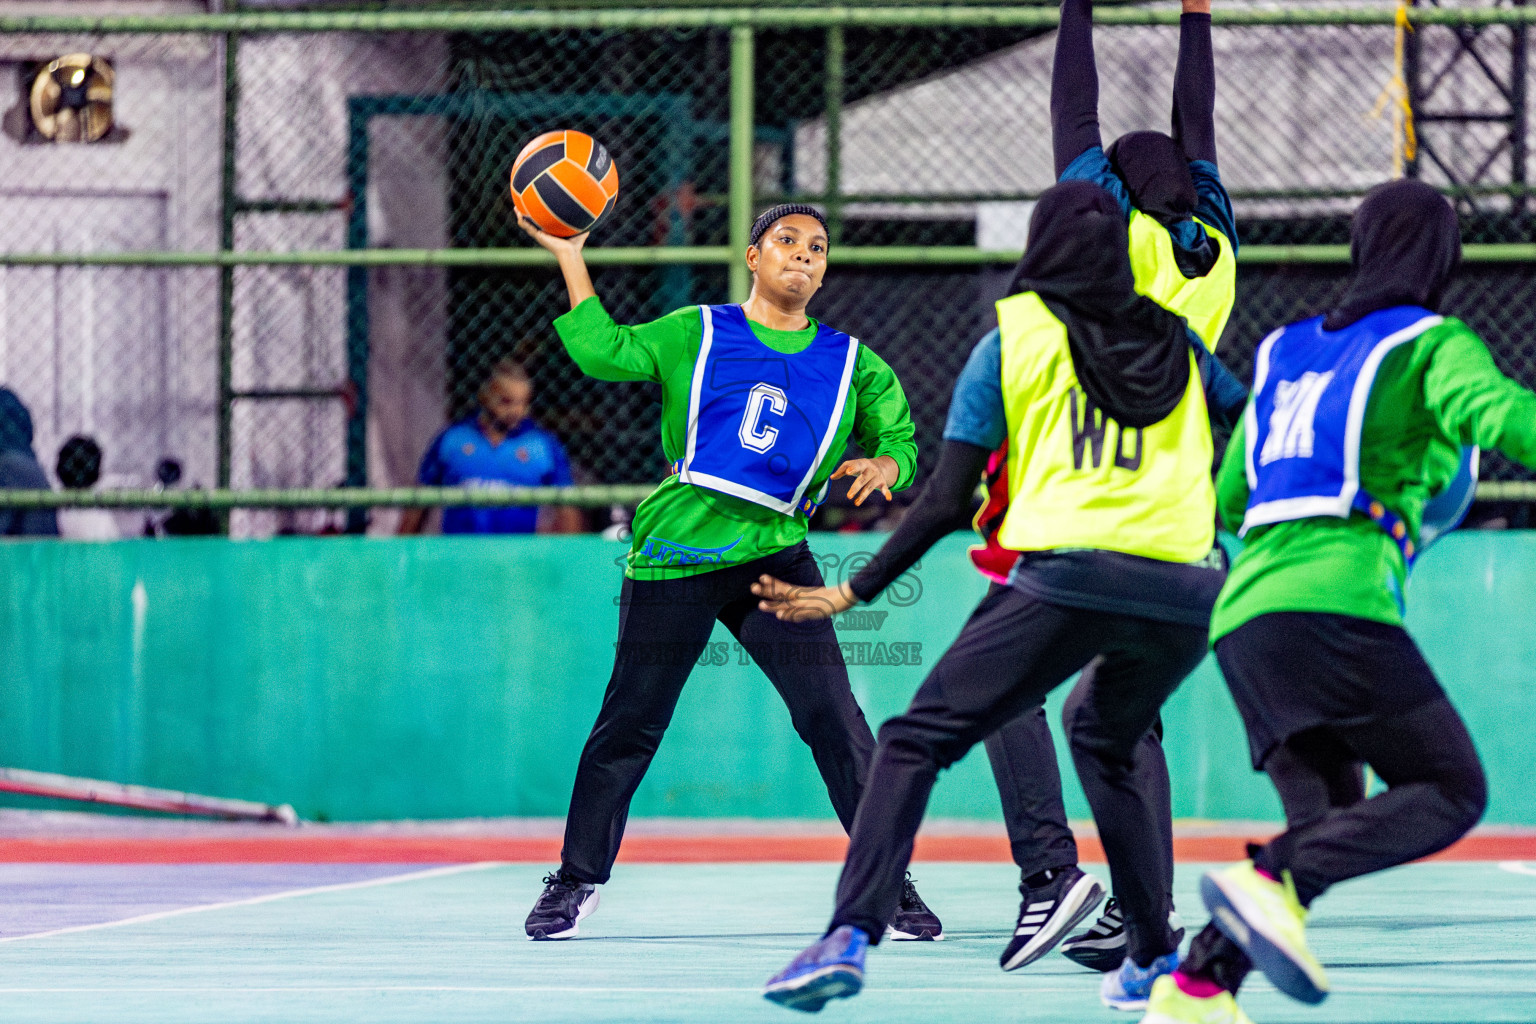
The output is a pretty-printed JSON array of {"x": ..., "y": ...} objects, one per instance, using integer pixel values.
[{"x": 1214, "y": 957}]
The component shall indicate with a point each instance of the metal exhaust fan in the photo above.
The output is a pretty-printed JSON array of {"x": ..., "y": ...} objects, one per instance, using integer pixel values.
[{"x": 72, "y": 99}]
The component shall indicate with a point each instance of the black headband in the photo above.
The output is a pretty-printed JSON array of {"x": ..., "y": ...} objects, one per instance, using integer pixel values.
[{"x": 762, "y": 224}]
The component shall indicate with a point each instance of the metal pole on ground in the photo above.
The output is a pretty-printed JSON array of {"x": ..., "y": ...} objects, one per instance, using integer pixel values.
[{"x": 144, "y": 798}]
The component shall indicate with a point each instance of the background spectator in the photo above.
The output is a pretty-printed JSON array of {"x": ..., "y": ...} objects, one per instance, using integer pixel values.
[
  {"x": 79, "y": 468},
  {"x": 183, "y": 522},
  {"x": 498, "y": 446},
  {"x": 19, "y": 470}
]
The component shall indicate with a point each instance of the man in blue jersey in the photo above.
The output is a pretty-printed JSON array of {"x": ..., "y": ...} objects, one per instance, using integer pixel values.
[
  {"x": 498, "y": 446},
  {"x": 20, "y": 469}
]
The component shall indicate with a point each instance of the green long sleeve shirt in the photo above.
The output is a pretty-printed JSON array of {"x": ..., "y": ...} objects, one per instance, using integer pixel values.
[
  {"x": 681, "y": 530},
  {"x": 1430, "y": 397}
]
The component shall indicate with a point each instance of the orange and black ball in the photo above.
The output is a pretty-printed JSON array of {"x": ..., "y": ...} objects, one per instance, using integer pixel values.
[{"x": 564, "y": 181}]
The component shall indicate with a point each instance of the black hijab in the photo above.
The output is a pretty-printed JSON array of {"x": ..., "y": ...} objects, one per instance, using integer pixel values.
[
  {"x": 1130, "y": 354},
  {"x": 1405, "y": 246},
  {"x": 1156, "y": 174}
]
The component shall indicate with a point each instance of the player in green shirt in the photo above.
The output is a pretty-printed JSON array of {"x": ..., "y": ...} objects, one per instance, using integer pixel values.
[
  {"x": 759, "y": 402},
  {"x": 1357, "y": 420}
]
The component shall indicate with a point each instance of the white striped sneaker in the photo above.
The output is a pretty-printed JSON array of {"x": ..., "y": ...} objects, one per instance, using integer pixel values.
[
  {"x": 1102, "y": 947},
  {"x": 1048, "y": 912}
]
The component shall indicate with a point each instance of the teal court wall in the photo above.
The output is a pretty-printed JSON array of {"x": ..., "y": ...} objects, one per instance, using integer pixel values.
[{"x": 442, "y": 677}]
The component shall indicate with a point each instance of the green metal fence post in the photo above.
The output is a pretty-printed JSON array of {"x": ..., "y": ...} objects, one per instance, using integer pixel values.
[
  {"x": 1519, "y": 106},
  {"x": 836, "y": 44},
  {"x": 1412, "y": 66},
  {"x": 228, "y": 200},
  {"x": 358, "y": 323},
  {"x": 742, "y": 72}
]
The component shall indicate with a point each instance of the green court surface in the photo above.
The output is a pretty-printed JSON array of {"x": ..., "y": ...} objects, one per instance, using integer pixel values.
[{"x": 1443, "y": 942}]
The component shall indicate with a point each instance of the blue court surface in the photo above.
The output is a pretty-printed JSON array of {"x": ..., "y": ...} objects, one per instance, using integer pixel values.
[{"x": 293, "y": 943}]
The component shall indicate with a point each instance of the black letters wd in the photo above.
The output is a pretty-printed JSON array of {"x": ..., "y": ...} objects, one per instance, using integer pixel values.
[{"x": 1088, "y": 427}]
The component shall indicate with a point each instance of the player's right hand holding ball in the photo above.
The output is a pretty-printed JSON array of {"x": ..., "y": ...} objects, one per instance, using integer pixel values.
[{"x": 554, "y": 243}]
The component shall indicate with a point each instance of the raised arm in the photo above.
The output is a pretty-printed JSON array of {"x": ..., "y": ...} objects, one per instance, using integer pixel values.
[
  {"x": 1225, "y": 396},
  {"x": 567, "y": 252},
  {"x": 1194, "y": 84},
  {"x": 602, "y": 348},
  {"x": 612, "y": 351},
  {"x": 1074, "y": 86}
]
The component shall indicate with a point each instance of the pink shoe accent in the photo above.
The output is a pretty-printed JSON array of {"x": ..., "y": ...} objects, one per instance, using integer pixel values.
[
  {"x": 1266, "y": 874},
  {"x": 1199, "y": 988}
]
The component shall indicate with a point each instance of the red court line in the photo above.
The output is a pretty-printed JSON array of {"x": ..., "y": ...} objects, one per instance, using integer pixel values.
[{"x": 643, "y": 849}]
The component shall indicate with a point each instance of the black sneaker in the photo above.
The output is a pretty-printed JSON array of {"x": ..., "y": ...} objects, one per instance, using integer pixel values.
[
  {"x": 914, "y": 921},
  {"x": 1047, "y": 912},
  {"x": 1102, "y": 947},
  {"x": 563, "y": 902}
]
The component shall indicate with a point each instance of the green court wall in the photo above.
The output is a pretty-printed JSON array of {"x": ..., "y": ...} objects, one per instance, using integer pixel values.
[{"x": 457, "y": 676}]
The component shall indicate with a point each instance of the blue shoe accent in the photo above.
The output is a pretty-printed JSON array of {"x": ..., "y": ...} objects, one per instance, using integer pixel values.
[
  {"x": 1130, "y": 987},
  {"x": 832, "y": 968}
]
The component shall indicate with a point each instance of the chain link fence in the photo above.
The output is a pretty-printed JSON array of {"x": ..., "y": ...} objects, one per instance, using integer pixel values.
[{"x": 925, "y": 142}]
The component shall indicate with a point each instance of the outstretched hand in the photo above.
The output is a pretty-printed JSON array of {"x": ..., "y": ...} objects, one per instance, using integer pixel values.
[
  {"x": 554, "y": 243},
  {"x": 870, "y": 475},
  {"x": 578, "y": 282},
  {"x": 802, "y": 604}
]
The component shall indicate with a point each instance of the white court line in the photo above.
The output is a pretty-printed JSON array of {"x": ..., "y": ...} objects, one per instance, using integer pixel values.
[
  {"x": 271, "y": 897},
  {"x": 607, "y": 990},
  {"x": 491, "y": 989},
  {"x": 1516, "y": 867}
]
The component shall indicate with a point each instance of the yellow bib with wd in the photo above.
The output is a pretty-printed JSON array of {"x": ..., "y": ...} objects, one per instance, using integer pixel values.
[
  {"x": 1204, "y": 302},
  {"x": 1076, "y": 478}
]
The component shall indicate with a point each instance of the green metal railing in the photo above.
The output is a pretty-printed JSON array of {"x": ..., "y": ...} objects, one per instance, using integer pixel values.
[{"x": 647, "y": 256}]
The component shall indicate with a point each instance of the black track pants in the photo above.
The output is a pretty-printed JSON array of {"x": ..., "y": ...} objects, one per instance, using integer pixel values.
[
  {"x": 1023, "y": 758},
  {"x": 1436, "y": 787},
  {"x": 1352, "y": 674},
  {"x": 1314, "y": 772},
  {"x": 1012, "y": 652},
  {"x": 664, "y": 627},
  {"x": 1436, "y": 792}
]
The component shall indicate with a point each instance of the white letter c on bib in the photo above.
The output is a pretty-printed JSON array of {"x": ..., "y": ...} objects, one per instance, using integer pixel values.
[{"x": 753, "y": 433}]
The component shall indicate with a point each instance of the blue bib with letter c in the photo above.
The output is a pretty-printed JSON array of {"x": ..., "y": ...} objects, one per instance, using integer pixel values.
[{"x": 759, "y": 421}]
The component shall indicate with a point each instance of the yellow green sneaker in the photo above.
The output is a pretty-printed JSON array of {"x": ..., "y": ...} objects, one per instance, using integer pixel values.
[
  {"x": 1264, "y": 917},
  {"x": 1170, "y": 1004}
]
